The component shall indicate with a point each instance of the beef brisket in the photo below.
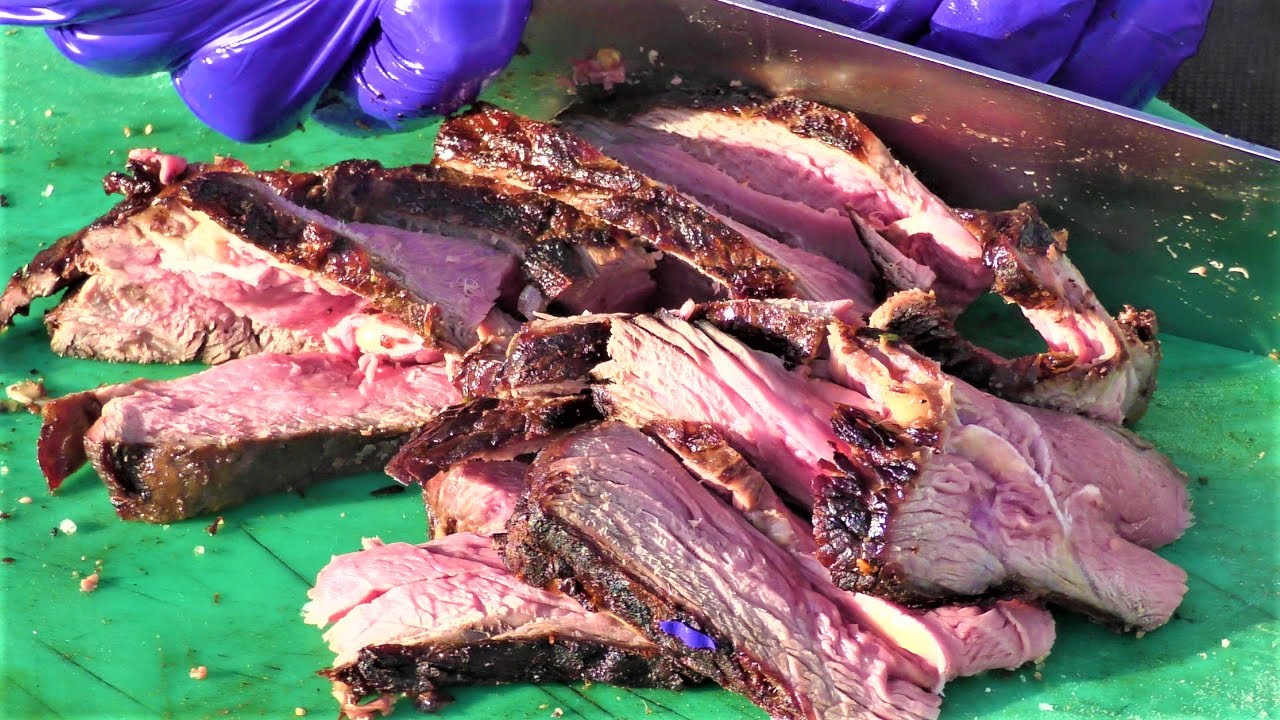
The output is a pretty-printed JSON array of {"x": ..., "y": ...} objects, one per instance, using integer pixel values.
[
  {"x": 874, "y": 437},
  {"x": 267, "y": 423},
  {"x": 413, "y": 620},
  {"x": 620, "y": 524},
  {"x": 571, "y": 263},
  {"x": 805, "y": 153},
  {"x": 739, "y": 262}
]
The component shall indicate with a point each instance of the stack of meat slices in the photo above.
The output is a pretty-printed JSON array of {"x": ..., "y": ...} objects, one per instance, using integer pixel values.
[{"x": 703, "y": 416}]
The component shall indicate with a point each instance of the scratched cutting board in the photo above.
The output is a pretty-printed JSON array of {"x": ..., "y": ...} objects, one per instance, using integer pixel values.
[{"x": 174, "y": 597}]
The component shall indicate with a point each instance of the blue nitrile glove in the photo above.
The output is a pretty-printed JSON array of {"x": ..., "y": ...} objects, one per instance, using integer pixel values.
[
  {"x": 1118, "y": 50},
  {"x": 253, "y": 69}
]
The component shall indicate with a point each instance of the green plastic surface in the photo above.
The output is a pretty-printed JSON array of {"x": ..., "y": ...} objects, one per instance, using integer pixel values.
[{"x": 164, "y": 606}]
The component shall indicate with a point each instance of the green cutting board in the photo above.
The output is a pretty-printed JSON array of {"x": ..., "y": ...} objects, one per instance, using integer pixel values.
[{"x": 175, "y": 597}]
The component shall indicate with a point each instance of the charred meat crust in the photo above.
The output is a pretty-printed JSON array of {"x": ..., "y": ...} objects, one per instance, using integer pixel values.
[
  {"x": 484, "y": 426},
  {"x": 562, "y": 166},
  {"x": 168, "y": 482},
  {"x": 1004, "y": 235},
  {"x": 556, "y": 352},
  {"x": 828, "y": 125},
  {"x": 855, "y": 504},
  {"x": 423, "y": 673},
  {"x": 249, "y": 214},
  {"x": 544, "y": 552},
  {"x": 917, "y": 318},
  {"x": 439, "y": 200},
  {"x": 58, "y": 266},
  {"x": 60, "y": 449},
  {"x": 797, "y": 337}
]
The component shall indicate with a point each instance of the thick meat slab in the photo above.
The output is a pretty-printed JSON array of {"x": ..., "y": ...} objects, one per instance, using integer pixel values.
[
  {"x": 738, "y": 261},
  {"x": 821, "y": 159},
  {"x": 620, "y": 523},
  {"x": 263, "y": 424},
  {"x": 913, "y": 477},
  {"x": 569, "y": 262},
  {"x": 412, "y": 620}
]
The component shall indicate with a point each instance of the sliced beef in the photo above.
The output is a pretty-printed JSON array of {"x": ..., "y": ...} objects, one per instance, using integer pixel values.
[
  {"x": 571, "y": 263},
  {"x": 1099, "y": 365},
  {"x": 487, "y": 429},
  {"x": 227, "y": 239},
  {"x": 58, "y": 266},
  {"x": 413, "y": 620},
  {"x": 883, "y": 446},
  {"x": 268, "y": 423},
  {"x": 475, "y": 496},
  {"x": 620, "y": 524},
  {"x": 480, "y": 496},
  {"x": 822, "y": 159},
  {"x": 111, "y": 317},
  {"x": 738, "y": 262}
]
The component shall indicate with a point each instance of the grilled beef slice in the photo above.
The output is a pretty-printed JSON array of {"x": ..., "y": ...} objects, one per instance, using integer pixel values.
[
  {"x": 817, "y": 162},
  {"x": 1097, "y": 365},
  {"x": 247, "y": 270},
  {"x": 883, "y": 447},
  {"x": 570, "y": 263},
  {"x": 618, "y": 523},
  {"x": 413, "y": 620},
  {"x": 956, "y": 641},
  {"x": 263, "y": 424},
  {"x": 738, "y": 261}
]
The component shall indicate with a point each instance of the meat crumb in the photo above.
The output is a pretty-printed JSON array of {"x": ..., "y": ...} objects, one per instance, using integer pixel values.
[
  {"x": 68, "y": 527},
  {"x": 8, "y": 560},
  {"x": 1199, "y": 270},
  {"x": 48, "y": 112},
  {"x": 27, "y": 392},
  {"x": 215, "y": 526},
  {"x": 199, "y": 550},
  {"x": 199, "y": 673},
  {"x": 148, "y": 129},
  {"x": 25, "y": 500},
  {"x": 217, "y": 598},
  {"x": 48, "y": 190},
  {"x": 299, "y": 711},
  {"x": 919, "y": 118},
  {"x": 90, "y": 583},
  {"x": 557, "y": 713},
  {"x": 1226, "y": 643},
  {"x": 1140, "y": 634},
  {"x": 1046, "y": 707},
  {"x": 128, "y": 131}
]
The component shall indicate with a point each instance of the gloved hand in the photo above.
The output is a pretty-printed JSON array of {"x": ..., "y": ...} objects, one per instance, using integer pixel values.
[
  {"x": 1118, "y": 50},
  {"x": 253, "y": 69}
]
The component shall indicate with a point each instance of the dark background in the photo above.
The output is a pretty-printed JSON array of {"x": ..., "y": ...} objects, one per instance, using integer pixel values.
[{"x": 1233, "y": 83}]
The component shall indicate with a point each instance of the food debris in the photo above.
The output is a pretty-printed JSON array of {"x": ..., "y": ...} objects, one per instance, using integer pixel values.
[
  {"x": 215, "y": 526},
  {"x": 299, "y": 711},
  {"x": 199, "y": 673},
  {"x": 919, "y": 118},
  {"x": 1046, "y": 707},
  {"x": 199, "y": 550},
  {"x": 1226, "y": 643},
  {"x": 605, "y": 69},
  {"x": 128, "y": 132},
  {"x": 48, "y": 190},
  {"x": 217, "y": 598},
  {"x": 1239, "y": 271},
  {"x": 4, "y": 200},
  {"x": 1140, "y": 634},
  {"x": 8, "y": 560},
  {"x": 48, "y": 112},
  {"x": 147, "y": 130},
  {"x": 677, "y": 80},
  {"x": 27, "y": 392},
  {"x": 1199, "y": 270},
  {"x": 90, "y": 583},
  {"x": 68, "y": 526},
  {"x": 1215, "y": 264},
  {"x": 557, "y": 713},
  {"x": 25, "y": 500}
]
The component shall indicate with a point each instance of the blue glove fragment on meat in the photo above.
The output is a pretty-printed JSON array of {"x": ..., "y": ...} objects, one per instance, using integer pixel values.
[
  {"x": 1118, "y": 50},
  {"x": 253, "y": 69}
]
